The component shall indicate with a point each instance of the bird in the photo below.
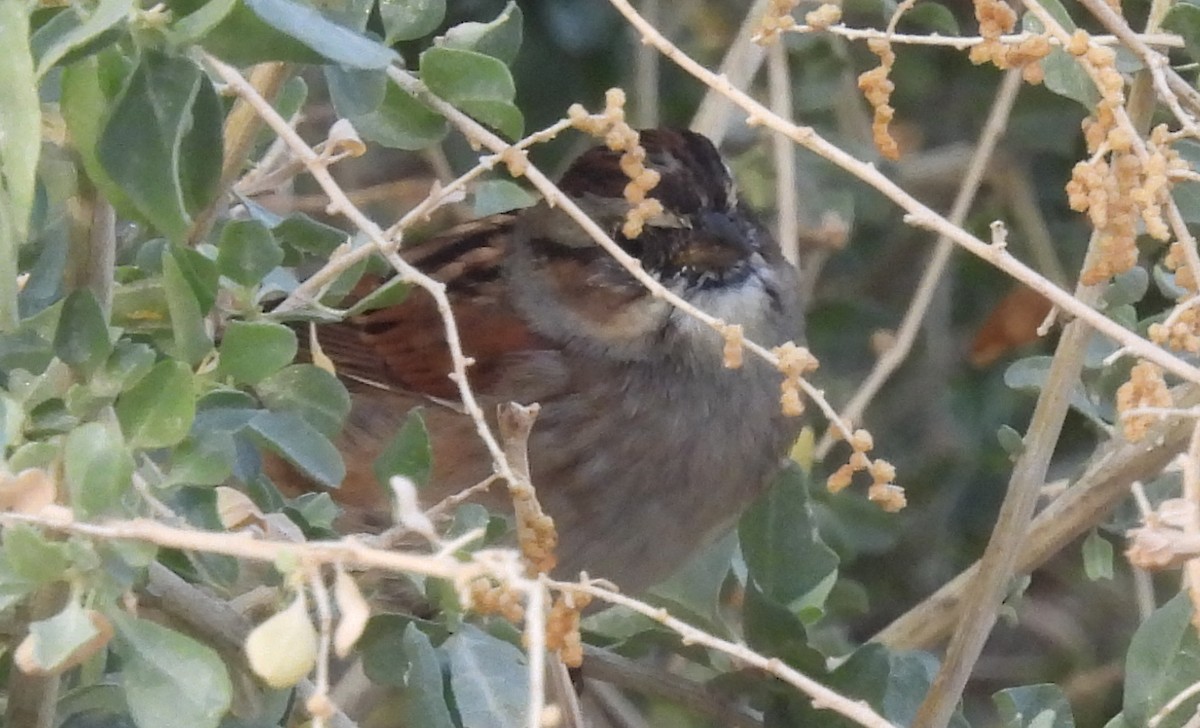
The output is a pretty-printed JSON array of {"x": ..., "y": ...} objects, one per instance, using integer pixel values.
[{"x": 646, "y": 445}]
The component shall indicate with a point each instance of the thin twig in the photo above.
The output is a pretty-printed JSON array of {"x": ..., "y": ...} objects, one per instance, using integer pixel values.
[
  {"x": 918, "y": 214},
  {"x": 910, "y": 325},
  {"x": 787, "y": 194},
  {"x": 1164, "y": 40}
]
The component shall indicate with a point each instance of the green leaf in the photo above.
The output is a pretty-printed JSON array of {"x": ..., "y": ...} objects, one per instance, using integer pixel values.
[
  {"x": 1127, "y": 288},
  {"x": 170, "y": 678},
  {"x": 694, "y": 591},
  {"x": 401, "y": 122},
  {"x": 771, "y": 628},
  {"x": 501, "y": 38},
  {"x": 307, "y": 235},
  {"x": 191, "y": 28},
  {"x": 309, "y": 391},
  {"x": 158, "y": 410},
  {"x": 1011, "y": 441},
  {"x": 409, "y": 453},
  {"x": 56, "y": 643},
  {"x": 253, "y": 350},
  {"x": 932, "y": 16},
  {"x": 82, "y": 31},
  {"x": 300, "y": 444},
  {"x": 32, "y": 557},
  {"x": 1163, "y": 659},
  {"x": 84, "y": 106},
  {"x": 334, "y": 42},
  {"x": 500, "y": 195},
  {"x": 191, "y": 342},
  {"x": 355, "y": 92},
  {"x": 1184, "y": 18},
  {"x": 20, "y": 120},
  {"x": 422, "y": 701},
  {"x": 204, "y": 458},
  {"x": 390, "y": 293},
  {"x": 1034, "y": 706},
  {"x": 247, "y": 252},
  {"x": 410, "y": 19},
  {"x": 488, "y": 678},
  {"x": 168, "y": 112},
  {"x": 82, "y": 338},
  {"x": 1064, "y": 76},
  {"x": 98, "y": 469},
  {"x": 478, "y": 84},
  {"x": 785, "y": 556},
  {"x": 1097, "y": 556}
]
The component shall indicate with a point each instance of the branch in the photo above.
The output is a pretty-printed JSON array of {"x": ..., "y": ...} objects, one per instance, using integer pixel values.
[{"x": 918, "y": 214}]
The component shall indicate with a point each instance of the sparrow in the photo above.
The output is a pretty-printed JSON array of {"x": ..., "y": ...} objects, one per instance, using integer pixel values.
[{"x": 646, "y": 445}]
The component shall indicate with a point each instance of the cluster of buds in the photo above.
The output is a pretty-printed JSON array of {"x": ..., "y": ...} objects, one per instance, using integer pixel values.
[
  {"x": 536, "y": 535},
  {"x": 486, "y": 596},
  {"x": 794, "y": 362},
  {"x": 996, "y": 18},
  {"x": 1181, "y": 330},
  {"x": 1146, "y": 388},
  {"x": 883, "y": 489},
  {"x": 562, "y": 627},
  {"x": 735, "y": 339},
  {"x": 877, "y": 87},
  {"x": 619, "y": 136}
]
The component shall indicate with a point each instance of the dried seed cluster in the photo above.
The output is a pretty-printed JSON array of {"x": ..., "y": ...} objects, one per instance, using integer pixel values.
[
  {"x": 536, "y": 535},
  {"x": 487, "y": 596},
  {"x": 883, "y": 489},
  {"x": 1146, "y": 388},
  {"x": 735, "y": 339},
  {"x": 611, "y": 125},
  {"x": 877, "y": 87},
  {"x": 794, "y": 362},
  {"x": 1181, "y": 330},
  {"x": 777, "y": 19},
  {"x": 996, "y": 18},
  {"x": 562, "y": 627},
  {"x": 824, "y": 16}
]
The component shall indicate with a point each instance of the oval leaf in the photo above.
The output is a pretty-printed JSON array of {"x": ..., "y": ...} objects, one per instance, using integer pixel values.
[
  {"x": 159, "y": 409},
  {"x": 253, "y": 350}
]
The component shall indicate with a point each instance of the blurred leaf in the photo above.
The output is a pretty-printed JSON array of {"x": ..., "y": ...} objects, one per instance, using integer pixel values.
[
  {"x": 253, "y": 350},
  {"x": 385, "y": 658},
  {"x": 410, "y": 19},
  {"x": 306, "y": 234},
  {"x": 158, "y": 411},
  {"x": 1186, "y": 194},
  {"x": 771, "y": 628},
  {"x": 334, "y": 42},
  {"x": 98, "y": 469},
  {"x": 1097, "y": 557},
  {"x": 191, "y": 342},
  {"x": 1163, "y": 660},
  {"x": 354, "y": 91},
  {"x": 25, "y": 349},
  {"x": 694, "y": 591},
  {"x": 309, "y": 391},
  {"x": 488, "y": 678},
  {"x": 390, "y": 293},
  {"x": 20, "y": 119},
  {"x": 1034, "y": 706},
  {"x": 82, "y": 338},
  {"x": 191, "y": 28},
  {"x": 932, "y": 16},
  {"x": 128, "y": 363},
  {"x": 785, "y": 555},
  {"x": 105, "y": 15},
  {"x": 401, "y": 122},
  {"x": 204, "y": 458},
  {"x": 1127, "y": 288},
  {"x": 422, "y": 701},
  {"x": 62, "y": 641},
  {"x": 1011, "y": 440},
  {"x": 32, "y": 557},
  {"x": 409, "y": 453},
  {"x": 501, "y": 38},
  {"x": 170, "y": 678},
  {"x": 476, "y": 83},
  {"x": 301, "y": 445},
  {"x": 247, "y": 252},
  {"x": 500, "y": 195},
  {"x": 200, "y": 272},
  {"x": 169, "y": 112},
  {"x": 1030, "y": 374},
  {"x": 1184, "y": 18}
]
